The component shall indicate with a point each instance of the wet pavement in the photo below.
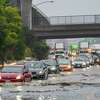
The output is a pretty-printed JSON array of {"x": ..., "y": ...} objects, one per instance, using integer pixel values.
[{"x": 81, "y": 84}]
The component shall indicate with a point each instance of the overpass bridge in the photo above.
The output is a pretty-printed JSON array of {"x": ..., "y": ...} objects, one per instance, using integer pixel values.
[
  {"x": 58, "y": 26},
  {"x": 68, "y": 27}
]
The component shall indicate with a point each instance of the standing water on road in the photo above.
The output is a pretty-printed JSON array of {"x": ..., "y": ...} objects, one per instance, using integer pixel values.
[{"x": 82, "y": 84}]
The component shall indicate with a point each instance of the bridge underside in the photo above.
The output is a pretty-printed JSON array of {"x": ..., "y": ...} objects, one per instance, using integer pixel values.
[
  {"x": 58, "y": 35},
  {"x": 67, "y": 31}
]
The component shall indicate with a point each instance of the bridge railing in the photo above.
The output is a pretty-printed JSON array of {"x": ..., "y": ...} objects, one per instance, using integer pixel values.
[
  {"x": 82, "y": 19},
  {"x": 79, "y": 19}
]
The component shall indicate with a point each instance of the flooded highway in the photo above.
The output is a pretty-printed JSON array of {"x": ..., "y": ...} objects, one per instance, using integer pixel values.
[{"x": 81, "y": 84}]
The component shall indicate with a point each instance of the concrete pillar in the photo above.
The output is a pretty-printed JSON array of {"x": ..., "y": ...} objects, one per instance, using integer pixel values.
[{"x": 26, "y": 12}]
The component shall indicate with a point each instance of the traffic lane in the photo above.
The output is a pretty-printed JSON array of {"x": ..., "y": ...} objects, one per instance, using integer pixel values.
[
  {"x": 77, "y": 75},
  {"x": 57, "y": 87},
  {"x": 88, "y": 74}
]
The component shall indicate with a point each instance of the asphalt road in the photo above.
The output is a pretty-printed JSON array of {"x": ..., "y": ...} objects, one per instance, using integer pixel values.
[{"x": 81, "y": 84}]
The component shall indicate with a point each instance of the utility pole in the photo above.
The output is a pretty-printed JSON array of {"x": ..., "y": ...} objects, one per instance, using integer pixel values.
[{"x": 26, "y": 13}]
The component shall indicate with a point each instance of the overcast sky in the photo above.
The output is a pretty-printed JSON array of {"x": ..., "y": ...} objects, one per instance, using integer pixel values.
[{"x": 69, "y": 7}]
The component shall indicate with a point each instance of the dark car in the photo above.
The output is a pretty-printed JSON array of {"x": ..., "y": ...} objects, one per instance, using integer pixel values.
[
  {"x": 79, "y": 63},
  {"x": 86, "y": 59},
  {"x": 96, "y": 58},
  {"x": 15, "y": 73},
  {"x": 52, "y": 65},
  {"x": 38, "y": 69},
  {"x": 90, "y": 56}
]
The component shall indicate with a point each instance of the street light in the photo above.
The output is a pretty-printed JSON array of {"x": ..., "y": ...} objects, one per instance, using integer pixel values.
[{"x": 44, "y": 2}]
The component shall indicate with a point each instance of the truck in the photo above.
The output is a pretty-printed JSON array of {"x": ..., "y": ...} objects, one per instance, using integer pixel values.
[
  {"x": 59, "y": 46},
  {"x": 84, "y": 45},
  {"x": 59, "y": 49},
  {"x": 95, "y": 46}
]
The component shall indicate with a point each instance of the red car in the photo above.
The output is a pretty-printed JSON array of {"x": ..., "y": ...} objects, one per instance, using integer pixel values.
[{"x": 15, "y": 73}]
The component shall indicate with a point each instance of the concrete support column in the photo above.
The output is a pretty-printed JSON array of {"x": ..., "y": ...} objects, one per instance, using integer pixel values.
[{"x": 26, "y": 12}]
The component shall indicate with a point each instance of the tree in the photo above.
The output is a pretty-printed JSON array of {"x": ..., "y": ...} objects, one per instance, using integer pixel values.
[
  {"x": 11, "y": 41},
  {"x": 40, "y": 49}
]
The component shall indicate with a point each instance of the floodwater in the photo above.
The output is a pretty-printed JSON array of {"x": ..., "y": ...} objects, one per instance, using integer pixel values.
[{"x": 81, "y": 84}]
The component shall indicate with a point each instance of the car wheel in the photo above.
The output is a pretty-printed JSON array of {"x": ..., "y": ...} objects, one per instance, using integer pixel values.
[{"x": 27, "y": 79}]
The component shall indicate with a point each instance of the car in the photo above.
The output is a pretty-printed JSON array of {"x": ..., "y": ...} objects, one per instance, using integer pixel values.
[
  {"x": 96, "y": 58},
  {"x": 64, "y": 64},
  {"x": 38, "y": 69},
  {"x": 79, "y": 63},
  {"x": 15, "y": 73},
  {"x": 52, "y": 66},
  {"x": 90, "y": 56},
  {"x": 86, "y": 59}
]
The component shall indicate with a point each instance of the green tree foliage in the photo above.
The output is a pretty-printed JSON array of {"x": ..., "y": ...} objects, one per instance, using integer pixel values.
[
  {"x": 4, "y": 2},
  {"x": 40, "y": 49},
  {"x": 11, "y": 42}
]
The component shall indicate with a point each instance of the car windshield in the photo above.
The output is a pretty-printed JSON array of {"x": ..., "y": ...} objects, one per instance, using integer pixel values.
[
  {"x": 63, "y": 61},
  {"x": 36, "y": 65},
  {"x": 57, "y": 52},
  {"x": 12, "y": 69},
  {"x": 30, "y": 64},
  {"x": 98, "y": 51},
  {"x": 50, "y": 62}
]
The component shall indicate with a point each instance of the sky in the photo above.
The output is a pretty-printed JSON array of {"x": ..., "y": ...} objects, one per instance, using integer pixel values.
[{"x": 69, "y": 7}]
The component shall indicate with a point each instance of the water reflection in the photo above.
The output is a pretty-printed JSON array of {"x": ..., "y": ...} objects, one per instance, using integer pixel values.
[
  {"x": 74, "y": 69},
  {"x": 0, "y": 89},
  {"x": 0, "y": 98},
  {"x": 88, "y": 68},
  {"x": 51, "y": 98},
  {"x": 41, "y": 98},
  {"x": 18, "y": 97},
  {"x": 68, "y": 73},
  {"x": 97, "y": 66},
  {"x": 84, "y": 69},
  {"x": 89, "y": 96},
  {"x": 19, "y": 88}
]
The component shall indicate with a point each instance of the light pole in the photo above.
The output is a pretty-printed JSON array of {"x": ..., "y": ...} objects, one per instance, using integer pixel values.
[{"x": 44, "y": 2}]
